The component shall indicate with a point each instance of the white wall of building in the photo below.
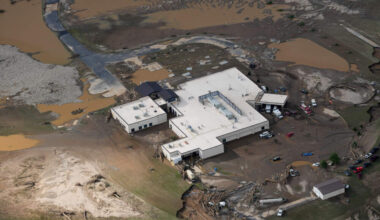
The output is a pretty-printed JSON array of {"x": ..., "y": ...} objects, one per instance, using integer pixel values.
[
  {"x": 130, "y": 128},
  {"x": 211, "y": 151},
  {"x": 244, "y": 132},
  {"x": 329, "y": 195}
]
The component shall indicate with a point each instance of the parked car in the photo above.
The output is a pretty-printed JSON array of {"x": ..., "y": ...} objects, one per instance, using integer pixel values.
[
  {"x": 280, "y": 212},
  {"x": 293, "y": 172},
  {"x": 282, "y": 89},
  {"x": 313, "y": 103},
  {"x": 316, "y": 164},
  {"x": 368, "y": 155},
  {"x": 266, "y": 135},
  {"x": 347, "y": 173},
  {"x": 307, "y": 154},
  {"x": 373, "y": 158},
  {"x": 277, "y": 158},
  {"x": 365, "y": 165},
  {"x": 358, "y": 170},
  {"x": 290, "y": 134},
  {"x": 305, "y": 108},
  {"x": 352, "y": 167},
  {"x": 304, "y": 91},
  {"x": 374, "y": 150},
  {"x": 358, "y": 162}
]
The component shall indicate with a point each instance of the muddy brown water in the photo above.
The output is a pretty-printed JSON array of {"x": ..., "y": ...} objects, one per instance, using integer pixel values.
[
  {"x": 85, "y": 9},
  {"x": 203, "y": 15},
  {"x": 143, "y": 75},
  {"x": 89, "y": 104},
  {"x": 22, "y": 26},
  {"x": 16, "y": 142},
  {"x": 302, "y": 51}
]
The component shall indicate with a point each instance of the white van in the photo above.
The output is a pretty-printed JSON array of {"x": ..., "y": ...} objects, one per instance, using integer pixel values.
[
  {"x": 277, "y": 113},
  {"x": 313, "y": 103},
  {"x": 268, "y": 108}
]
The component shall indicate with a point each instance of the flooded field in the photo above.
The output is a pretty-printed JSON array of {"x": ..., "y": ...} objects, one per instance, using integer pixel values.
[
  {"x": 203, "y": 15},
  {"x": 90, "y": 8},
  {"x": 22, "y": 26},
  {"x": 89, "y": 104},
  {"x": 302, "y": 51},
  {"x": 16, "y": 142},
  {"x": 143, "y": 75}
]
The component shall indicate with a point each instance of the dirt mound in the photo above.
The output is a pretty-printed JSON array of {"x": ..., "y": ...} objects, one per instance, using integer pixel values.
[
  {"x": 355, "y": 93},
  {"x": 59, "y": 182}
]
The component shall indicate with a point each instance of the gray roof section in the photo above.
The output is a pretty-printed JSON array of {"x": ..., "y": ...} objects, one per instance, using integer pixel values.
[{"x": 330, "y": 186}]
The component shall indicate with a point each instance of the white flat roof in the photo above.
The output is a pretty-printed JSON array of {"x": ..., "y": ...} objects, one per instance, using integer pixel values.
[
  {"x": 139, "y": 110},
  {"x": 273, "y": 99},
  {"x": 203, "y": 123}
]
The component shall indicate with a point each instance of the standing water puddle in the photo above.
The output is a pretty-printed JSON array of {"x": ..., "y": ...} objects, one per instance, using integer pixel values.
[
  {"x": 16, "y": 142},
  {"x": 22, "y": 26},
  {"x": 302, "y": 51},
  {"x": 70, "y": 111}
]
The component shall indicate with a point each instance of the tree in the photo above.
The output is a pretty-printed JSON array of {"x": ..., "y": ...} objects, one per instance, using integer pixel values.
[
  {"x": 334, "y": 158},
  {"x": 323, "y": 164}
]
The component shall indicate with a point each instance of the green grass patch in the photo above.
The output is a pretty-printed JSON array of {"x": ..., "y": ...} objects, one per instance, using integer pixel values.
[
  {"x": 355, "y": 116},
  {"x": 163, "y": 188},
  {"x": 24, "y": 119}
]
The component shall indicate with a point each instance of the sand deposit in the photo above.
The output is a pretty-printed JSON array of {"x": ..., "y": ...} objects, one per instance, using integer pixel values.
[
  {"x": 354, "y": 95},
  {"x": 32, "y": 82},
  {"x": 55, "y": 181},
  {"x": 331, "y": 112},
  {"x": 68, "y": 177}
]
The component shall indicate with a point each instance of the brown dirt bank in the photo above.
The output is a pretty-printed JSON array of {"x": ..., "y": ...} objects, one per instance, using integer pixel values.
[{"x": 375, "y": 68}]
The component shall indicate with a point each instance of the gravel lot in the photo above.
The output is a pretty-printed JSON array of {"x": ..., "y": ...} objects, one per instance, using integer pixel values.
[{"x": 31, "y": 82}]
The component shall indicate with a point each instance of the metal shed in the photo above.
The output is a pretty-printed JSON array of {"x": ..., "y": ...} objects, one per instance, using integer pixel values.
[{"x": 168, "y": 95}]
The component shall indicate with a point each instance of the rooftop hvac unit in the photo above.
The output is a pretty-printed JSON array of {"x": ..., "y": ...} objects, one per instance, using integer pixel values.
[
  {"x": 135, "y": 107},
  {"x": 137, "y": 117},
  {"x": 146, "y": 114},
  {"x": 141, "y": 105}
]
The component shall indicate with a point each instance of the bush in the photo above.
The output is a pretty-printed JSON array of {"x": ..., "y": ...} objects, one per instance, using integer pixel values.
[
  {"x": 301, "y": 24},
  {"x": 269, "y": 2},
  {"x": 291, "y": 16},
  {"x": 323, "y": 164},
  {"x": 355, "y": 144},
  {"x": 334, "y": 158}
]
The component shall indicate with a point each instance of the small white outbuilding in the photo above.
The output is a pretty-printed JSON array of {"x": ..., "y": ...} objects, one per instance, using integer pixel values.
[{"x": 328, "y": 189}]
